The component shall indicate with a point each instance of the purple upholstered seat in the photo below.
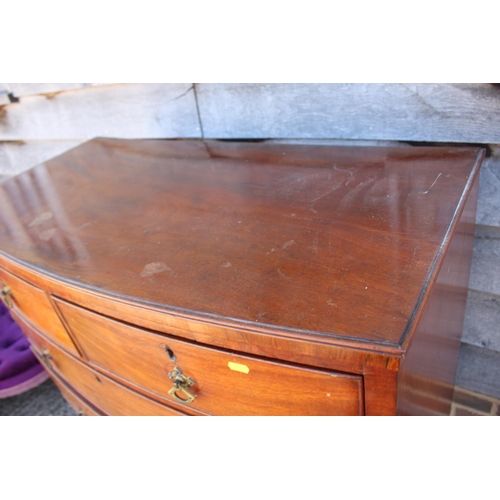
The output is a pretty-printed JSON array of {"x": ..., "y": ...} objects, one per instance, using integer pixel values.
[{"x": 19, "y": 369}]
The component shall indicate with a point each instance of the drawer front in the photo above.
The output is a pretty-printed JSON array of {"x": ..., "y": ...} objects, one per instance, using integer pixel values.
[
  {"x": 224, "y": 383},
  {"x": 34, "y": 304},
  {"x": 112, "y": 398},
  {"x": 77, "y": 403}
]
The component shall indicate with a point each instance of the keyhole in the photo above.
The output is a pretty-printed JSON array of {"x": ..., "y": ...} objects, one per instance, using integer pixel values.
[{"x": 170, "y": 353}]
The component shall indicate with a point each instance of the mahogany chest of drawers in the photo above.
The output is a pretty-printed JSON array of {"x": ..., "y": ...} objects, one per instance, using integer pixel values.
[{"x": 157, "y": 277}]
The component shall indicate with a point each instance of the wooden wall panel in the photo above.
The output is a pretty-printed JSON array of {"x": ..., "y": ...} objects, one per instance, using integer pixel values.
[
  {"x": 4, "y": 90},
  {"x": 126, "y": 111},
  {"x": 407, "y": 112},
  {"x": 22, "y": 89}
]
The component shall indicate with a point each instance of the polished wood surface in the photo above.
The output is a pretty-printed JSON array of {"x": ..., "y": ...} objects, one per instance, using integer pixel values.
[
  {"x": 99, "y": 393},
  {"x": 286, "y": 236},
  {"x": 109, "y": 396},
  {"x": 226, "y": 383},
  {"x": 33, "y": 303},
  {"x": 281, "y": 279},
  {"x": 289, "y": 346}
]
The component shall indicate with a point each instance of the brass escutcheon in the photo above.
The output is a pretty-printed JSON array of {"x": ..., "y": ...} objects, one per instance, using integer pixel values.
[
  {"x": 181, "y": 384},
  {"x": 7, "y": 296}
]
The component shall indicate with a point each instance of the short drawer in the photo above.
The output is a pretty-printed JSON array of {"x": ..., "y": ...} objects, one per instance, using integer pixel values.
[
  {"x": 34, "y": 305},
  {"x": 223, "y": 383},
  {"x": 112, "y": 398}
]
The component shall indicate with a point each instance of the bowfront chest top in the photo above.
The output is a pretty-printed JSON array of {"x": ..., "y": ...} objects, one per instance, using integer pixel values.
[{"x": 208, "y": 277}]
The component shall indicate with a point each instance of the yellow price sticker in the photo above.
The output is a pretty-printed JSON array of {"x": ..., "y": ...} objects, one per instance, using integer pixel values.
[{"x": 237, "y": 367}]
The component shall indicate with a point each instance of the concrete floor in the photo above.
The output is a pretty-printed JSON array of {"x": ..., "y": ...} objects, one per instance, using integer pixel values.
[{"x": 44, "y": 400}]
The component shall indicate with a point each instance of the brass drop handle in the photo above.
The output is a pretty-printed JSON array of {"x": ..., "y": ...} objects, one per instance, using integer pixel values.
[
  {"x": 181, "y": 385},
  {"x": 7, "y": 296}
]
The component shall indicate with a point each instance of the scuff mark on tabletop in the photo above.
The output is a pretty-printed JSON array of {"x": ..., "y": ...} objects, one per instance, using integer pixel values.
[
  {"x": 283, "y": 275},
  {"x": 46, "y": 235},
  {"x": 288, "y": 244},
  {"x": 315, "y": 243},
  {"x": 154, "y": 268},
  {"x": 40, "y": 219}
]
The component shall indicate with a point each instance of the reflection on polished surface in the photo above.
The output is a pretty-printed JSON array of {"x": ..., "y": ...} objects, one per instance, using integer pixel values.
[
  {"x": 50, "y": 233},
  {"x": 268, "y": 234}
]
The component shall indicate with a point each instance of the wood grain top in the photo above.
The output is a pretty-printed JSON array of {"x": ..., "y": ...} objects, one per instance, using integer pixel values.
[{"x": 335, "y": 241}]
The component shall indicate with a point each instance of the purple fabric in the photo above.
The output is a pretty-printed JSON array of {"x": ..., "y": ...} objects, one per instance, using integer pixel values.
[{"x": 17, "y": 363}]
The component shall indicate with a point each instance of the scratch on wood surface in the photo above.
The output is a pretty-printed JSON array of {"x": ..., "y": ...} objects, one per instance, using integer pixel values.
[
  {"x": 439, "y": 175},
  {"x": 40, "y": 219},
  {"x": 154, "y": 268},
  {"x": 332, "y": 189},
  {"x": 288, "y": 244},
  {"x": 315, "y": 243},
  {"x": 342, "y": 170},
  {"x": 283, "y": 275},
  {"x": 227, "y": 264},
  {"x": 355, "y": 191},
  {"x": 414, "y": 253}
]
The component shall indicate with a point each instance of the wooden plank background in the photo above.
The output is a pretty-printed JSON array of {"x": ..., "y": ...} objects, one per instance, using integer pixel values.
[
  {"x": 4, "y": 90},
  {"x": 127, "y": 111},
  {"x": 21, "y": 89},
  {"x": 50, "y": 118},
  {"x": 404, "y": 112}
]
